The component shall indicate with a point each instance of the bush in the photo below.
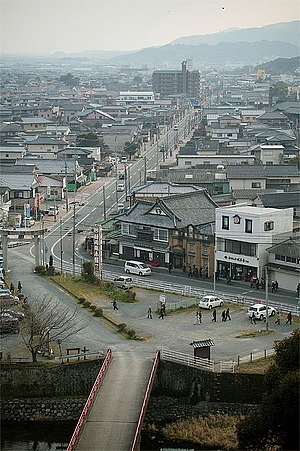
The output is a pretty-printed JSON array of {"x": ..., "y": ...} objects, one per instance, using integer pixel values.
[
  {"x": 94, "y": 307},
  {"x": 131, "y": 333},
  {"x": 81, "y": 300},
  {"x": 40, "y": 269},
  {"x": 130, "y": 295},
  {"x": 98, "y": 311},
  {"x": 87, "y": 304},
  {"x": 121, "y": 327}
]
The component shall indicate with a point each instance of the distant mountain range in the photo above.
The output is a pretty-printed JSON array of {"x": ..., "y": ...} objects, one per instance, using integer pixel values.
[{"x": 229, "y": 48}]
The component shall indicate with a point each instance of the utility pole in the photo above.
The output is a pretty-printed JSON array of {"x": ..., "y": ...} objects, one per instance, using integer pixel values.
[
  {"x": 74, "y": 216},
  {"x": 61, "y": 247},
  {"x": 66, "y": 182},
  {"x": 104, "y": 207},
  {"x": 267, "y": 299},
  {"x": 145, "y": 169}
]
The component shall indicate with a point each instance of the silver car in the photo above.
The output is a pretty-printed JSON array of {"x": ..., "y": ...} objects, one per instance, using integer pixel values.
[{"x": 123, "y": 282}]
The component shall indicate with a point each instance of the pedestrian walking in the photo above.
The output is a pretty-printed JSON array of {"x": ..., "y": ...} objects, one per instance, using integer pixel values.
[
  {"x": 277, "y": 318},
  {"x": 161, "y": 313},
  {"x": 223, "y": 315},
  {"x": 196, "y": 318},
  {"x": 12, "y": 288},
  {"x": 199, "y": 317},
  {"x": 25, "y": 300},
  {"x": 252, "y": 318},
  {"x": 149, "y": 313},
  {"x": 170, "y": 267},
  {"x": 214, "y": 315},
  {"x": 19, "y": 287},
  {"x": 257, "y": 284},
  {"x": 289, "y": 318},
  {"x": 115, "y": 305},
  {"x": 163, "y": 307},
  {"x": 273, "y": 287},
  {"x": 227, "y": 315},
  {"x": 276, "y": 286}
]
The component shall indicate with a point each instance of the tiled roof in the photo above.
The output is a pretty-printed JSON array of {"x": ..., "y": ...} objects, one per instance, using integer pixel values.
[
  {"x": 202, "y": 343},
  {"x": 261, "y": 171},
  {"x": 280, "y": 200},
  {"x": 18, "y": 181}
]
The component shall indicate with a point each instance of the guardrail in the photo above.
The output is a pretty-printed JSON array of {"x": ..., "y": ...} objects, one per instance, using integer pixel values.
[
  {"x": 185, "y": 359},
  {"x": 255, "y": 356},
  {"x": 135, "y": 445},
  {"x": 89, "y": 401}
]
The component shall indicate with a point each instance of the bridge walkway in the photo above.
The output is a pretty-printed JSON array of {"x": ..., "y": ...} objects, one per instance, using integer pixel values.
[{"x": 112, "y": 420}]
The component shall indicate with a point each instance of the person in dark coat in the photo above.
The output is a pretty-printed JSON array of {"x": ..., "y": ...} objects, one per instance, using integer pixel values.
[
  {"x": 227, "y": 315},
  {"x": 115, "y": 305},
  {"x": 289, "y": 318},
  {"x": 223, "y": 315},
  {"x": 214, "y": 315},
  {"x": 12, "y": 288},
  {"x": 19, "y": 287}
]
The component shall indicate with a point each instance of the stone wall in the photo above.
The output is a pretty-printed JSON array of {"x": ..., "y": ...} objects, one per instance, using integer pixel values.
[
  {"x": 48, "y": 380},
  {"x": 24, "y": 409},
  {"x": 195, "y": 385}
]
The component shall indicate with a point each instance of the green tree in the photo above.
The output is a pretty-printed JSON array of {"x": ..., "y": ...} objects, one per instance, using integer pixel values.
[
  {"x": 69, "y": 80},
  {"x": 130, "y": 148},
  {"x": 274, "y": 424},
  {"x": 89, "y": 139}
]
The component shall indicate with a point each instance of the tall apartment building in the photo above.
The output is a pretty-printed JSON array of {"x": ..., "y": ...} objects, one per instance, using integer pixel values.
[{"x": 174, "y": 82}]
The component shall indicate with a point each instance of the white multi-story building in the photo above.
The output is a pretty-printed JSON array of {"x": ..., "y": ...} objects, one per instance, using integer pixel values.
[
  {"x": 140, "y": 97},
  {"x": 243, "y": 233}
]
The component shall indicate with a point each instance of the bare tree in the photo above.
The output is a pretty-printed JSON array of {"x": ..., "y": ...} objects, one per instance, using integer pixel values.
[{"x": 45, "y": 322}]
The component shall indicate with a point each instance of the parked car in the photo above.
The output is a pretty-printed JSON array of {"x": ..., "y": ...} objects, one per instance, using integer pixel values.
[
  {"x": 259, "y": 311},
  {"x": 121, "y": 208},
  {"x": 8, "y": 300},
  {"x": 9, "y": 325},
  {"x": 7, "y": 313},
  {"x": 53, "y": 211},
  {"x": 136, "y": 267},
  {"x": 209, "y": 302},
  {"x": 123, "y": 282},
  {"x": 121, "y": 176},
  {"x": 175, "y": 127}
]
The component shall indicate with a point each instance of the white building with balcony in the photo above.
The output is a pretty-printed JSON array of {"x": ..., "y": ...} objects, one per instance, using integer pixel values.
[
  {"x": 243, "y": 233},
  {"x": 132, "y": 97}
]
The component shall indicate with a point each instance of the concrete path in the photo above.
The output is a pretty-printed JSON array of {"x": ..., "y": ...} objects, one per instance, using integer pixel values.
[{"x": 112, "y": 421}]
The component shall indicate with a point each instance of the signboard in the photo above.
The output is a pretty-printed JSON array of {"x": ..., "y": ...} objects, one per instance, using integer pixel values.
[
  {"x": 162, "y": 298},
  {"x": 27, "y": 211},
  {"x": 98, "y": 250}
]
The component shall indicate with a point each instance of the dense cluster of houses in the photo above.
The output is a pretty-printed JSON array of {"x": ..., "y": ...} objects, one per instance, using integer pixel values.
[{"x": 229, "y": 202}]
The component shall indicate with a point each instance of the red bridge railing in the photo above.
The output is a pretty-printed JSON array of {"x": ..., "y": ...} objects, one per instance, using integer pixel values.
[
  {"x": 135, "y": 443},
  {"x": 89, "y": 401}
]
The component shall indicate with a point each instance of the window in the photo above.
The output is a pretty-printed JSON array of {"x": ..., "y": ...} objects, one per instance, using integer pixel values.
[
  {"x": 161, "y": 235},
  {"x": 268, "y": 226},
  {"x": 18, "y": 194},
  {"x": 256, "y": 185},
  {"x": 192, "y": 248},
  {"x": 225, "y": 222},
  {"x": 188, "y": 163},
  {"x": 248, "y": 225}
]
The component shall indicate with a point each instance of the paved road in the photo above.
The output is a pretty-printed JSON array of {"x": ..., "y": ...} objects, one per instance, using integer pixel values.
[{"x": 174, "y": 332}]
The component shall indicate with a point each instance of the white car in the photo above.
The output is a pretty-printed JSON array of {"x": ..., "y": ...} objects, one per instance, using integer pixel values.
[
  {"x": 210, "y": 302},
  {"x": 123, "y": 282},
  {"x": 259, "y": 311},
  {"x": 121, "y": 187}
]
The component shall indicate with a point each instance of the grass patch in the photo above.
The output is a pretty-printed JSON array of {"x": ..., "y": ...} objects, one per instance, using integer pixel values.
[
  {"x": 254, "y": 333},
  {"x": 259, "y": 366},
  {"x": 212, "y": 432}
]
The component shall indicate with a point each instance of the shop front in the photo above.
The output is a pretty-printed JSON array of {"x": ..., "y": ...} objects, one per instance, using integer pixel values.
[{"x": 237, "y": 267}]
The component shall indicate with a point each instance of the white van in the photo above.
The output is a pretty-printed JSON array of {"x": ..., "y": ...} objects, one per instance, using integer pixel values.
[{"x": 138, "y": 268}]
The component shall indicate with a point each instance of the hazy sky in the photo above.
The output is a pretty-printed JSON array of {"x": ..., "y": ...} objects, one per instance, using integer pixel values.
[{"x": 46, "y": 26}]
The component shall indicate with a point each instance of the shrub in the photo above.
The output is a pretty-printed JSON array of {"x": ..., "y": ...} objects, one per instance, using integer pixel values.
[
  {"x": 131, "y": 295},
  {"x": 121, "y": 327},
  {"x": 94, "y": 307},
  {"x": 40, "y": 269},
  {"x": 81, "y": 300},
  {"x": 98, "y": 311},
  {"x": 87, "y": 304},
  {"x": 131, "y": 333}
]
